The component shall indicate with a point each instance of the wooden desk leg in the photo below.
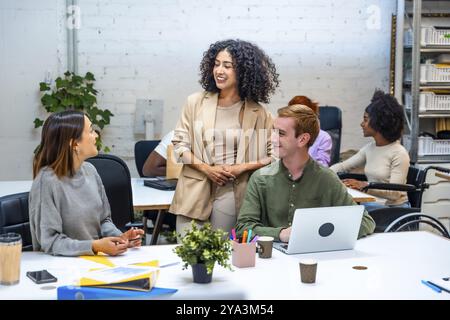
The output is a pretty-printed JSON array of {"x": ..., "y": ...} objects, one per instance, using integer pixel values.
[{"x": 158, "y": 226}]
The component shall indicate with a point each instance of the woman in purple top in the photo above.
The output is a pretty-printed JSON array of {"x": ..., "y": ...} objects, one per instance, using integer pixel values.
[{"x": 320, "y": 151}]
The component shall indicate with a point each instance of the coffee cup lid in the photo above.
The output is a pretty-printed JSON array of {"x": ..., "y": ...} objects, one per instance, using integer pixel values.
[
  {"x": 265, "y": 238},
  {"x": 308, "y": 261},
  {"x": 10, "y": 237}
]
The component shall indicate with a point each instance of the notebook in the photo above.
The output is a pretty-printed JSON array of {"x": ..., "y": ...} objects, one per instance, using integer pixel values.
[
  {"x": 323, "y": 229},
  {"x": 161, "y": 184}
]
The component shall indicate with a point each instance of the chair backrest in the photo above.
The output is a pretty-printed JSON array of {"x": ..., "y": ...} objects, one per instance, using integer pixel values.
[
  {"x": 117, "y": 182},
  {"x": 331, "y": 122},
  {"x": 14, "y": 217},
  {"x": 142, "y": 150},
  {"x": 414, "y": 219},
  {"x": 417, "y": 178}
]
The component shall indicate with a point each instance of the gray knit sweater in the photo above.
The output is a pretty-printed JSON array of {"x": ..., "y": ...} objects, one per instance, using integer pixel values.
[{"x": 67, "y": 214}]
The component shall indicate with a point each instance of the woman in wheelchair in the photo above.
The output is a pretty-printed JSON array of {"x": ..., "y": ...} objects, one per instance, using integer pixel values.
[{"x": 384, "y": 160}]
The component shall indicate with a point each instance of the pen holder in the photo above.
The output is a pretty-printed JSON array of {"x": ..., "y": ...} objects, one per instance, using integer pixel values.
[{"x": 243, "y": 254}]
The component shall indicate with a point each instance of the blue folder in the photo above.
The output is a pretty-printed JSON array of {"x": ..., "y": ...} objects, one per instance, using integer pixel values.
[{"x": 91, "y": 293}]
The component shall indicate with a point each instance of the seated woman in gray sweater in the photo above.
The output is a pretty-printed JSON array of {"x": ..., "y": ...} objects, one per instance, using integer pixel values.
[{"x": 69, "y": 210}]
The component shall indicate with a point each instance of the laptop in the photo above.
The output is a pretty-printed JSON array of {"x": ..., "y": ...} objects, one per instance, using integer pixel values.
[
  {"x": 323, "y": 229},
  {"x": 161, "y": 184}
]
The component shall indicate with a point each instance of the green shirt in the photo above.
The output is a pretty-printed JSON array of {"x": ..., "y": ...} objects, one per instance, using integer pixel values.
[{"x": 272, "y": 197}]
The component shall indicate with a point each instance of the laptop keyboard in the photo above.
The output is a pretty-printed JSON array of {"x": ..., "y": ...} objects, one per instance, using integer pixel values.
[{"x": 284, "y": 246}]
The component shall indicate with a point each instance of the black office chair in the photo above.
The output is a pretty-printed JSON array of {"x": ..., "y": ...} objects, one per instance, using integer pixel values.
[
  {"x": 331, "y": 122},
  {"x": 142, "y": 150},
  {"x": 14, "y": 217},
  {"x": 405, "y": 222},
  {"x": 117, "y": 182}
]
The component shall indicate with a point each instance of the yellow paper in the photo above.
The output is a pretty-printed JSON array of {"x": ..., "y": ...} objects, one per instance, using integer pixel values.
[
  {"x": 100, "y": 258},
  {"x": 153, "y": 263}
]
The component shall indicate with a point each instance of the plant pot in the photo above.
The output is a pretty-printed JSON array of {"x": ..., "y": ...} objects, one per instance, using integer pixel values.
[{"x": 200, "y": 273}]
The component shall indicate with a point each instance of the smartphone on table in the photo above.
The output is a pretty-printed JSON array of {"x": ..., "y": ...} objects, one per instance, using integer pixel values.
[{"x": 41, "y": 276}]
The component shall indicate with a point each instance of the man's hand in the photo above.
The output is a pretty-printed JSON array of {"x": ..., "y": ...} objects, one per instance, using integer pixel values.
[
  {"x": 355, "y": 184},
  {"x": 110, "y": 245},
  {"x": 218, "y": 174},
  {"x": 133, "y": 236},
  {"x": 285, "y": 234}
]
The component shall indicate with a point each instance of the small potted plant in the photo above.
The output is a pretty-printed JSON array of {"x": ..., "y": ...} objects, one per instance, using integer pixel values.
[{"x": 201, "y": 248}]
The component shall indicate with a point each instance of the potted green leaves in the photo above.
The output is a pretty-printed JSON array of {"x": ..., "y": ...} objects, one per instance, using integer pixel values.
[
  {"x": 75, "y": 92},
  {"x": 200, "y": 248}
]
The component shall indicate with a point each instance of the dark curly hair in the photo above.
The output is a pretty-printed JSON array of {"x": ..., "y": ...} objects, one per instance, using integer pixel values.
[
  {"x": 255, "y": 72},
  {"x": 386, "y": 115}
]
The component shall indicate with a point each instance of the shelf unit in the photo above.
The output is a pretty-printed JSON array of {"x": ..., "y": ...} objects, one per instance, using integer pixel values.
[
  {"x": 427, "y": 106},
  {"x": 425, "y": 86}
]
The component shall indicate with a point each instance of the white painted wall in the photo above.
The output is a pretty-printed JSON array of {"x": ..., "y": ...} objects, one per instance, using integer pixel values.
[
  {"x": 334, "y": 51},
  {"x": 31, "y": 44}
]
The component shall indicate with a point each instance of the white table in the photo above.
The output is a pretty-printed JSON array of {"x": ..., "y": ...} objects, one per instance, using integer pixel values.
[
  {"x": 360, "y": 197},
  {"x": 396, "y": 262},
  {"x": 11, "y": 187},
  {"x": 144, "y": 198}
]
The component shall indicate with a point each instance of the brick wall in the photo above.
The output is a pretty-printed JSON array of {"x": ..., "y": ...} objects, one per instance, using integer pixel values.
[
  {"x": 336, "y": 52},
  {"x": 32, "y": 46}
]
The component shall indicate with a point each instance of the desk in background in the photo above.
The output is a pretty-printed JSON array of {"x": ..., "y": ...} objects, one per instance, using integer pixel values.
[
  {"x": 396, "y": 263},
  {"x": 442, "y": 175},
  {"x": 360, "y": 197},
  {"x": 144, "y": 198}
]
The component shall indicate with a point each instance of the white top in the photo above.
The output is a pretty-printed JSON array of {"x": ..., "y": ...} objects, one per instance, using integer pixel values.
[
  {"x": 161, "y": 148},
  {"x": 396, "y": 263},
  {"x": 386, "y": 164}
]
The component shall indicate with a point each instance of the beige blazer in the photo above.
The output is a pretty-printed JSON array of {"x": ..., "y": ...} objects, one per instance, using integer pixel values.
[{"x": 194, "y": 194}]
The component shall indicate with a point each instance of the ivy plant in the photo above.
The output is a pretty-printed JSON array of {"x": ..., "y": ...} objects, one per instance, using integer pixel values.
[
  {"x": 74, "y": 92},
  {"x": 204, "y": 245}
]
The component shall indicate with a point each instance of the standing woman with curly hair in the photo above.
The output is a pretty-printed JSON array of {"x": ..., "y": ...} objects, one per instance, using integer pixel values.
[
  {"x": 223, "y": 134},
  {"x": 385, "y": 160}
]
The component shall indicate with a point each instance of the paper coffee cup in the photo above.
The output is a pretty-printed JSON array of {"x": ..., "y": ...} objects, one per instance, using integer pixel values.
[
  {"x": 308, "y": 270},
  {"x": 10, "y": 253}
]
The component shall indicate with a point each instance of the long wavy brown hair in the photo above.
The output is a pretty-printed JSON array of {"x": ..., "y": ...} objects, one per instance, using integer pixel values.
[{"x": 59, "y": 133}]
